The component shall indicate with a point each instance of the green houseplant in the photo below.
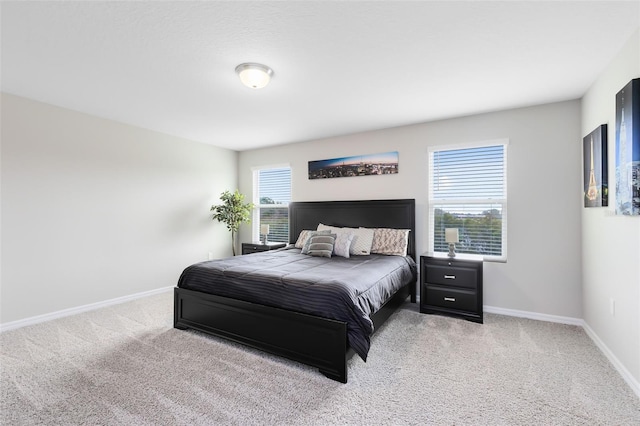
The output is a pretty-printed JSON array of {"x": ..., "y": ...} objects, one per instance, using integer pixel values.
[{"x": 233, "y": 212}]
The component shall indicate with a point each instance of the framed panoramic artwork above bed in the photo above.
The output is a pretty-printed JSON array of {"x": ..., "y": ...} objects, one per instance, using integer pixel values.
[{"x": 357, "y": 165}]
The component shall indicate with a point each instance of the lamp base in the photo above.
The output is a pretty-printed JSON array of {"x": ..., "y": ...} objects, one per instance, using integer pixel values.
[
  {"x": 452, "y": 250},
  {"x": 265, "y": 240}
]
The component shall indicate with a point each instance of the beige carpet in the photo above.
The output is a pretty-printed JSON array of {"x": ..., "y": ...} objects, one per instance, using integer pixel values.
[{"x": 126, "y": 365}]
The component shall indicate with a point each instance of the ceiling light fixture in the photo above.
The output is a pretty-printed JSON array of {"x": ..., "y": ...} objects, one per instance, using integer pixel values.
[{"x": 254, "y": 76}]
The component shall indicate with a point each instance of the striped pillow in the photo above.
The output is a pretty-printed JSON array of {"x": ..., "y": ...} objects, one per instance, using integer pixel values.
[
  {"x": 320, "y": 245},
  {"x": 305, "y": 234}
]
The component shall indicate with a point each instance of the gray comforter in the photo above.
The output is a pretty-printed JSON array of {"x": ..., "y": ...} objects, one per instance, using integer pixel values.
[{"x": 348, "y": 290}]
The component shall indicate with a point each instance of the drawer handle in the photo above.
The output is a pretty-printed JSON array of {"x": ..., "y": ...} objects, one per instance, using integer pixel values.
[
  {"x": 450, "y": 277},
  {"x": 449, "y": 299}
]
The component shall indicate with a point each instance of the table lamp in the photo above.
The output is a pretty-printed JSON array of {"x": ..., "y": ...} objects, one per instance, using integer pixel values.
[
  {"x": 264, "y": 230},
  {"x": 451, "y": 237}
]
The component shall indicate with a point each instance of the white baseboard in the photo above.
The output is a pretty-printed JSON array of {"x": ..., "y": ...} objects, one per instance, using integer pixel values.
[
  {"x": 12, "y": 325},
  {"x": 620, "y": 368},
  {"x": 626, "y": 375},
  {"x": 534, "y": 315}
]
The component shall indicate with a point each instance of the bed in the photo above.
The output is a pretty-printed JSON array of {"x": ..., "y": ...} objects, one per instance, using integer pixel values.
[{"x": 308, "y": 338}]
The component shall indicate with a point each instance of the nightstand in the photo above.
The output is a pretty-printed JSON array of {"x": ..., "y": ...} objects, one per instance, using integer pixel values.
[
  {"x": 451, "y": 286},
  {"x": 248, "y": 248}
]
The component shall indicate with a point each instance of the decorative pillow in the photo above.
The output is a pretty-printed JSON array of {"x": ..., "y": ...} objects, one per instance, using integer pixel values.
[
  {"x": 320, "y": 245},
  {"x": 361, "y": 245},
  {"x": 343, "y": 243},
  {"x": 305, "y": 248},
  {"x": 390, "y": 241},
  {"x": 323, "y": 227},
  {"x": 362, "y": 239},
  {"x": 304, "y": 236}
]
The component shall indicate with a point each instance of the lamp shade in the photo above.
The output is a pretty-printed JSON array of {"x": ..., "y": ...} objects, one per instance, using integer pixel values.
[
  {"x": 254, "y": 76},
  {"x": 451, "y": 235},
  {"x": 264, "y": 229}
]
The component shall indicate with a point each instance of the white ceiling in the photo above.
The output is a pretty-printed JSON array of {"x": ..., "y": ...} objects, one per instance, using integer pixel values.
[{"x": 340, "y": 67}]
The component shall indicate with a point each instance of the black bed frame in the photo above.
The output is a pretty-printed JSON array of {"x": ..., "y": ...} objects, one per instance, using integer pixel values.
[{"x": 312, "y": 340}]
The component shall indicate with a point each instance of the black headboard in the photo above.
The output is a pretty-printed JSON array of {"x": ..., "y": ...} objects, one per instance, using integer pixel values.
[{"x": 398, "y": 214}]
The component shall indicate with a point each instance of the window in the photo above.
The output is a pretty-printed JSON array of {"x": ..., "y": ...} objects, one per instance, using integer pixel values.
[
  {"x": 271, "y": 196},
  {"x": 468, "y": 191}
]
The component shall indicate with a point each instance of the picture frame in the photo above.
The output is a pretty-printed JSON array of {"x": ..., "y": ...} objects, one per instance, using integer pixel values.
[
  {"x": 627, "y": 151},
  {"x": 595, "y": 168},
  {"x": 358, "y": 165}
]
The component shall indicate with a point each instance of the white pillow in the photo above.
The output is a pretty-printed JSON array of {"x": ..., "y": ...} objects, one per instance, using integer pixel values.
[
  {"x": 361, "y": 245},
  {"x": 343, "y": 243},
  {"x": 323, "y": 227}
]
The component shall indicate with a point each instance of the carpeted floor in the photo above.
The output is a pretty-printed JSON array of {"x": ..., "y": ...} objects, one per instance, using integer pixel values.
[{"x": 126, "y": 365}]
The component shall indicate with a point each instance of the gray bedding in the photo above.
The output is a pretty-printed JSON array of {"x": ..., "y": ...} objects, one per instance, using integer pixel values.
[{"x": 348, "y": 290}]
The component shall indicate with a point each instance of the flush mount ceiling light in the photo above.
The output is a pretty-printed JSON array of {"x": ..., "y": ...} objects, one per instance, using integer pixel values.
[{"x": 254, "y": 76}]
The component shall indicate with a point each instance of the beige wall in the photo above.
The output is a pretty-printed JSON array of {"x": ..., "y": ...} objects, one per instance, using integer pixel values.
[
  {"x": 94, "y": 210},
  {"x": 611, "y": 244},
  {"x": 543, "y": 270}
]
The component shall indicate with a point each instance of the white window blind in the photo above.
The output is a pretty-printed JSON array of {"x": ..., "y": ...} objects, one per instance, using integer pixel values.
[
  {"x": 271, "y": 196},
  {"x": 468, "y": 191}
]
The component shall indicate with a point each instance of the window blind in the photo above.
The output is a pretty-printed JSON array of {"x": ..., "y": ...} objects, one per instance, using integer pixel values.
[
  {"x": 272, "y": 195},
  {"x": 467, "y": 190}
]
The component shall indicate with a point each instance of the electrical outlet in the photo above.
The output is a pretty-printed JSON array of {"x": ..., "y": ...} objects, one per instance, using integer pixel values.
[
  {"x": 210, "y": 256},
  {"x": 612, "y": 306}
]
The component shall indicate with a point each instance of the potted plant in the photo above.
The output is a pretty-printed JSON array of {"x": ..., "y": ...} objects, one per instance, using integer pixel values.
[{"x": 233, "y": 212}]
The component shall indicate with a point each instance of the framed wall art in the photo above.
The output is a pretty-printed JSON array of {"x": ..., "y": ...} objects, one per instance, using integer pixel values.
[
  {"x": 628, "y": 149},
  {"x": 357, "y": 165},
  {"x": 595, "y": 170}
]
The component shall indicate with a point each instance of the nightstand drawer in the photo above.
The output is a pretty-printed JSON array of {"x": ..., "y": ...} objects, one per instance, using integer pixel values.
[
  {"x": 451, "y": 276},
  {"x": 462, "y": 300},
  {"x": 252, "y": 248},
  {"x": 248, "y": 248}
]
